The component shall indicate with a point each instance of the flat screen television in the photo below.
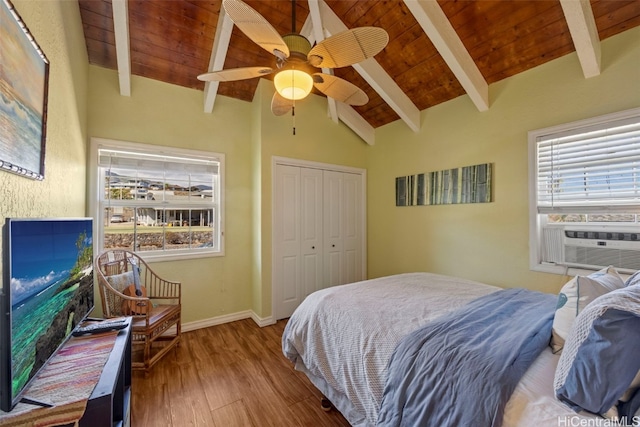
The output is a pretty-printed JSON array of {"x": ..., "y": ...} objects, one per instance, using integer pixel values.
[{"x": 47, "y": 290}]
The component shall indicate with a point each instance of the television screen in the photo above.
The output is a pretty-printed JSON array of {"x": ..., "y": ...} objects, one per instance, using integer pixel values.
[{"x": 47, "y": 291}]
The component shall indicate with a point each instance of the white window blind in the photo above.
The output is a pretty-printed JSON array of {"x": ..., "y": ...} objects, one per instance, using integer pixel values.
[
  {"x": 156, "y": 162},
  {"x": 192, "y": 173},
  {"x": 591, "y": 169}
]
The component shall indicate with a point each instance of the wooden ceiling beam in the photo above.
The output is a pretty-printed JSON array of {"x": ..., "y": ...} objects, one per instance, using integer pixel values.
[
  {"x": 120, "y": 10},
  {"x": 218, "y": 56},
  {"x": 375, "y": 75},
  {"x": 436, "y": 25},
  {"x": 582, "y": 26}
]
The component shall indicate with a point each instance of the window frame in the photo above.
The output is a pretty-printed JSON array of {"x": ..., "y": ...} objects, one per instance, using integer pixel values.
[
  {"x": 536, "y": 220},
  {"x": 97, "y": 200}
]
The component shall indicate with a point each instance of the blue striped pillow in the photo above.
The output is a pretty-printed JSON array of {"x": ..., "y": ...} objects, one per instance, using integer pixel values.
[{"x": 600, "y": 357}]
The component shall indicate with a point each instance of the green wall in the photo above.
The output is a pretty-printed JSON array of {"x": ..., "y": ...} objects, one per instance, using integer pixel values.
[
  {"x": 486, "y": 242},
  {"x": 57, "y": 28}
]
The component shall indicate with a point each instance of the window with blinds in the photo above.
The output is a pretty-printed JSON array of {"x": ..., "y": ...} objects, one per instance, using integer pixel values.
[
  {"x": 160, "y": 200},
  {"x": 595, "y": 168},
  {"x": 585, "y": 179}
]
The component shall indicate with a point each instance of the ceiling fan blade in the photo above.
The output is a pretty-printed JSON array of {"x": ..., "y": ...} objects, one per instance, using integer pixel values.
[
  {"x": 339, "y": 89},
  {"x": 280, "y": 105},
  {"x": 254, "y": 26},
  {"x": 348, "y": 47},
  {"x": 233, "y": 74}
]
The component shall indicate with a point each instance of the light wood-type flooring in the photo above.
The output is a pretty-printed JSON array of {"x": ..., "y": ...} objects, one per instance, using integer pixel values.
[{"x": 225, "y": 376}]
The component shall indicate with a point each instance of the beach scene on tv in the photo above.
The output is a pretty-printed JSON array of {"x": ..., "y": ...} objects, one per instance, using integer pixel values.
[{"x": 51, "y": 289}]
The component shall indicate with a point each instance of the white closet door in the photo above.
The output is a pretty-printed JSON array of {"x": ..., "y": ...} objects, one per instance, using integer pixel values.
[
  {"x": 343, "y": 213},
  {"x": 297, "y": 236},
  {"x": 287, "y": 271},
  {"x": 311, "y": 230},
  {"x": 318, "y": 226},
  {"x": 333, "y": 228},
  {"x": 352, "y": 239}
]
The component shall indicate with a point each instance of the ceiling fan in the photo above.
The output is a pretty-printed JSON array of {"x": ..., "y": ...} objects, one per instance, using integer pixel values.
[{"x": 297, "y": 62}]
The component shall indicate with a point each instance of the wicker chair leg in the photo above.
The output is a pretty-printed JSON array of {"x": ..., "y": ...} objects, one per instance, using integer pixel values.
[{"x": 147, "y": 354}]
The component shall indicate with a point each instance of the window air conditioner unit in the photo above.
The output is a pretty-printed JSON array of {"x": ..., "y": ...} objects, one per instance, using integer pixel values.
[{"x": 592, "y": 247}]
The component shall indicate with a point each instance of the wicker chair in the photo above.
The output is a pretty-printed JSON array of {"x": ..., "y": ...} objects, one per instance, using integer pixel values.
[{"x": 156, "y": 314}]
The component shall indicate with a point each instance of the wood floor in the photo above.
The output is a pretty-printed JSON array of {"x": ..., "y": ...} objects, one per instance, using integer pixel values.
[{"x": 225, "y": 376}]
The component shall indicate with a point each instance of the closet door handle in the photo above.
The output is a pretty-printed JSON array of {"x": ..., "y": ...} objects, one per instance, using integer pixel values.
[
  {"x": 313, "y": 247},
  {"x": 333, "y": 246}
]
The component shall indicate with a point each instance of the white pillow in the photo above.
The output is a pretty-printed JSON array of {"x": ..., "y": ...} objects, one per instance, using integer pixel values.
[
  {"x": 121, "y": 281},
  {"x": 574, "y": 297}
]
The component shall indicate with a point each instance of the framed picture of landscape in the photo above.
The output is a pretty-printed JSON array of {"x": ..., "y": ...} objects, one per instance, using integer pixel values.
[{"x": 24, "y": 84}]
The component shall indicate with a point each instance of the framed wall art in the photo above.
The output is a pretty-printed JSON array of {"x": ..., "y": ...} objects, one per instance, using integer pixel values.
[
  {"x": 24, "y": 87},
  {"x": 469, "y": 184}
]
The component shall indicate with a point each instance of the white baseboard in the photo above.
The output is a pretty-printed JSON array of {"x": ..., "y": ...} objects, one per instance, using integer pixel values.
[
  {"x": 227, "y": 318},
  {"x": 262, "y": 322}
]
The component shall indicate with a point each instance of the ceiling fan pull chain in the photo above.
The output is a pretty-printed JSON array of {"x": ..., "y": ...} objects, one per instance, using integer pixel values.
[{"x": 293, "y": 101}]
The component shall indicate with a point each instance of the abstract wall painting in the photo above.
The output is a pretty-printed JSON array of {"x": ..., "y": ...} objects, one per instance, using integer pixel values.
[
  {"x": 24, "y": 84},
  {"x": 469, "y": 184}
]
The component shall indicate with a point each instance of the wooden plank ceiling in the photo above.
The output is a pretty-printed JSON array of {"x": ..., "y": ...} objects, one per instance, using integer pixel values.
[{"x": 423, "y": 65}]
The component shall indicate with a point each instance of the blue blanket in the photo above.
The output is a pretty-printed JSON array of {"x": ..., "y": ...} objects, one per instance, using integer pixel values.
[{"x": 461, "y": 369}]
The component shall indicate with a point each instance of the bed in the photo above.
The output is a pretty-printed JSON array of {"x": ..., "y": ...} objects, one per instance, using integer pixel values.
[{"x": 346, "y": 340}]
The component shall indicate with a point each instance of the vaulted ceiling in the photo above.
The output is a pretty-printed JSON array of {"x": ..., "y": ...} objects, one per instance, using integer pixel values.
[{"x": 437, "y": 51}]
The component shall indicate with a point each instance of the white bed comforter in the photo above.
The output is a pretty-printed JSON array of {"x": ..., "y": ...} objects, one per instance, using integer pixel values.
[{"x": 343, "y": 337}]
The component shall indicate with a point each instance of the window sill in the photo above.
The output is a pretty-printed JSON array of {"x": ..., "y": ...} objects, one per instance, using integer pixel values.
[
  {"x": 561, "y": 270},
  {"x": 151, "y": 257}
]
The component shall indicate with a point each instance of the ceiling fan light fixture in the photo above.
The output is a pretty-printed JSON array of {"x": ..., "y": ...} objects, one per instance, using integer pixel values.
[{"x": 293, "y": 84}]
